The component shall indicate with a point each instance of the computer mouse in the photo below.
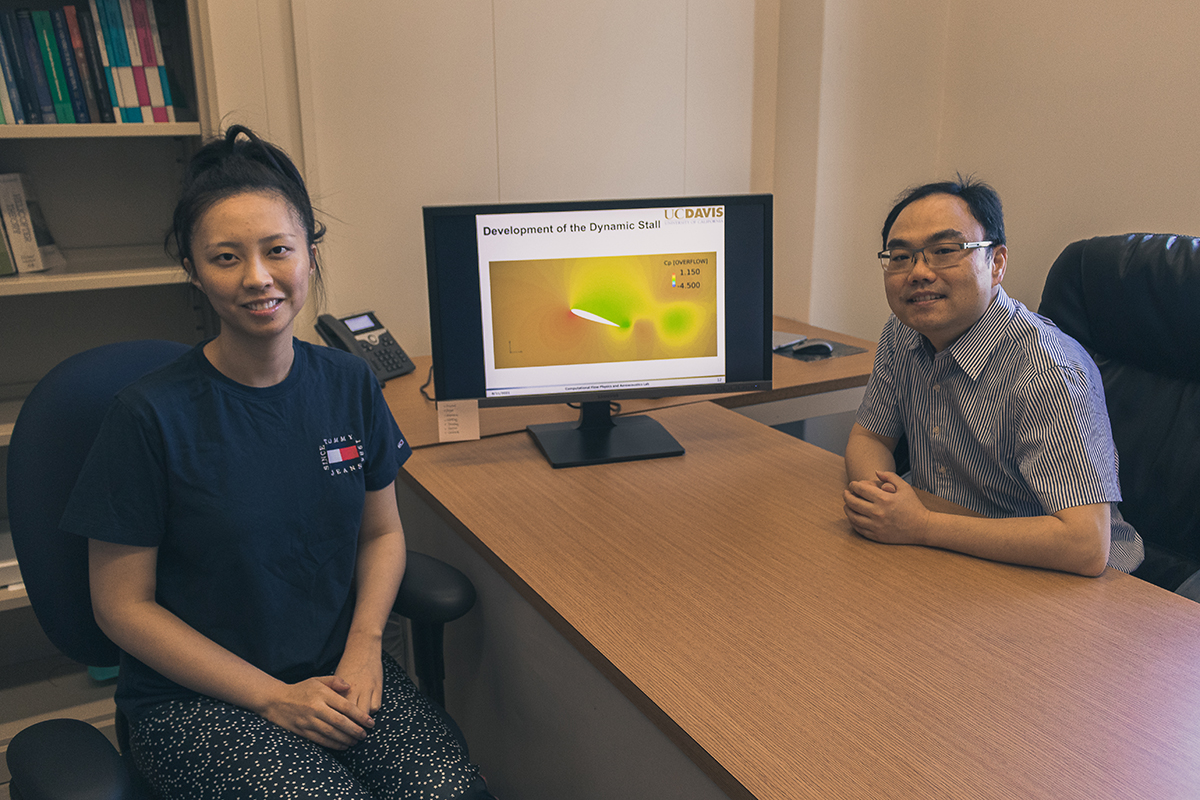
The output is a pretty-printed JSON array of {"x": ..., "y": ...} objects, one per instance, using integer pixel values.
[{"x": 813, "y": 347}]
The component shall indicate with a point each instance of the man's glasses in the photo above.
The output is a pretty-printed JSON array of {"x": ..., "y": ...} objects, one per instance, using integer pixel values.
[{"x": 937, "y": 256}]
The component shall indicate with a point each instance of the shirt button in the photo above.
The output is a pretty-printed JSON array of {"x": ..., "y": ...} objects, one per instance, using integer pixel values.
[
  {"x": 936, "y": 430},
  {"x": 937, "y": 387},
  {"x": 941, "y": 470}
]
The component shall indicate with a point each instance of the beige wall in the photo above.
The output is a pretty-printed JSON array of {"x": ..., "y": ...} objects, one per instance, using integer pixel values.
[
  {"x": 1084, "y": 115},
  {"x": 478, "y": 101},
  {"x": 1081, "y": 114}
]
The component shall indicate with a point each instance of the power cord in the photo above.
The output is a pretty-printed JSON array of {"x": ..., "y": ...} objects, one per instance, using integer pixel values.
[{"x": 425, "y": 385}]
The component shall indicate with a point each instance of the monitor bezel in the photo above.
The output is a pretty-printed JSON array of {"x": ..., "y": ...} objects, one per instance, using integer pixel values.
[{"x": 436, "y": 337}]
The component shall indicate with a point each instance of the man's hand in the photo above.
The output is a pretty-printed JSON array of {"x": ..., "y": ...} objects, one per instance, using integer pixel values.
[
  {"x": 886, "y": 510},
  {"x": 318, "y": 709}
]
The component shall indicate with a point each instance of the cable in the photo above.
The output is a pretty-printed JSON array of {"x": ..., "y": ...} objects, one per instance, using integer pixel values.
[{"x": 428, "y": 381}]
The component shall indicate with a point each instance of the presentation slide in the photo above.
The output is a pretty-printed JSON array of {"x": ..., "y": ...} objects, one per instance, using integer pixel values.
[{"x": 588, "y": 300}]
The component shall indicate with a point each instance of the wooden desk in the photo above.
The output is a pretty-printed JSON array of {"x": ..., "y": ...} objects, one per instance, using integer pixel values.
[
  {"x": 792, "y": 379},
  {"x": 724, "y": 594}
]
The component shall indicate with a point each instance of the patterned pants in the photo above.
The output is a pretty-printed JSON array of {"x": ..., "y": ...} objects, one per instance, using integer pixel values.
[{"x": 204, "y": 749}]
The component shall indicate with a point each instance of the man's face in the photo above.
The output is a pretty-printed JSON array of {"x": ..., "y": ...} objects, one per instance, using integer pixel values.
[{"x": 942, "y": 304}]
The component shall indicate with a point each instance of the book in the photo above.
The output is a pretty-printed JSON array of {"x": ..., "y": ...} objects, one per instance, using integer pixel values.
[
  {"x": 66, "y": 52},
  {"x": 31, "y": 55},
  {"x": 52, "y": 62},
  {"x": 135, "y": 60},
  {"x": 171, "y": 25},
  {"x": 87, "y": 76},
  {"x": 145, "y": 44},
  {"x": 33, "y": 246},
  {"x": 118, "y": 58},
  {"x": 7, "y": 265},
  {"x": 15, "y": 47},
  {"x": 52, "y": 257},
  {"x": 10, "y": 95},
  {"x": 159, "y": 59},
  {"x": 97, "y": 57},
  {"x": 18, "y": 225}
]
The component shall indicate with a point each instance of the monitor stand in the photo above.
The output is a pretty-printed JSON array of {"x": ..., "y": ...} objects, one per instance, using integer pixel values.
[{"x": 600, "y": 438}]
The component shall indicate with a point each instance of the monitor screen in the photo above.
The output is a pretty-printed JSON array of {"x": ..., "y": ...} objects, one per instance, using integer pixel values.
[{"x": 599, "y": 301}]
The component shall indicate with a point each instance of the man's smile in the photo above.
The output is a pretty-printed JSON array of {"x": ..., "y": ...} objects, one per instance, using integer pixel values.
[{"x": 918, "y": 298}]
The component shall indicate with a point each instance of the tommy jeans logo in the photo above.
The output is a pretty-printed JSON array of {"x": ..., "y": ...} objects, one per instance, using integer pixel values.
[{"x": 341, "y": 454}]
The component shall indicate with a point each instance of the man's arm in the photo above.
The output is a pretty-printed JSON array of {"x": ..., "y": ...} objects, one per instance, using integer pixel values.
[
  {"x": 886, "y": 509},
  {"x": 868, "y": 453}
]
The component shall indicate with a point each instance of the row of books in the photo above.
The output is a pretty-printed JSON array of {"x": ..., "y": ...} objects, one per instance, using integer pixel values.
[
  {"x": 28, "y": 245},
  {"x": 99, "y": 61}
]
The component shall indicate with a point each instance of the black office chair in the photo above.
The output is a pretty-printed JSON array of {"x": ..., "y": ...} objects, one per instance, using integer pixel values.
[
  {"x": 1134, "y": 302},
  {"x": 66, "y": 758}
]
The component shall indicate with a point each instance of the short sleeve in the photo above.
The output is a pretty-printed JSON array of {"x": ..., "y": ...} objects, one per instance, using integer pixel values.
[
  {"x": 387, "y": 449},
  {"x": 1065, "y": 453},
  {"x": 879, "y": 411},
  {"x": 121, "y": 493}
]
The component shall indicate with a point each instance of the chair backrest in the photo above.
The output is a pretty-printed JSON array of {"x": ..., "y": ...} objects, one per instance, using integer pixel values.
[
  {"x": 1134, "y": 302},
  {"x": 50, "y": 440}
]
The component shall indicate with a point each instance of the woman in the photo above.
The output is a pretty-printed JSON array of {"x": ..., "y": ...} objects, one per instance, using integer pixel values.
[{"x": 245, "y": 545}]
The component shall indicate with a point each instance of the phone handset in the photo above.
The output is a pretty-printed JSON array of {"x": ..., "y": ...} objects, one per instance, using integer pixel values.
[{"x": 365, "y": 336}]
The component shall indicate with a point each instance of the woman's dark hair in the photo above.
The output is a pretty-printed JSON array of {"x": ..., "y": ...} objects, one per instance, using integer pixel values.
[
  {"x": 232, "y": 164},
  {"x": 979, "y": 197}
]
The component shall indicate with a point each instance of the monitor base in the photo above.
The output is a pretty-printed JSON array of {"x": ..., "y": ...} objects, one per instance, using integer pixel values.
[{"x": 600, "y": 438}]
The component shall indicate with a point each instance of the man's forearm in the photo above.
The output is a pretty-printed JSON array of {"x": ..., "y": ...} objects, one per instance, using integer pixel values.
[
  {"x": 1074, "y": 540},
  {"x": 868, "y": 453}
]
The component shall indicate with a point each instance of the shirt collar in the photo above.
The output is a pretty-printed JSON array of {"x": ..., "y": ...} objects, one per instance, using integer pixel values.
[{"x": 972, "y": 350}]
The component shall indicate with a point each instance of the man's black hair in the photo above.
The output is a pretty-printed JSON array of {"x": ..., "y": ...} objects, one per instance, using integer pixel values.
[{"x": 979, "y": 197}]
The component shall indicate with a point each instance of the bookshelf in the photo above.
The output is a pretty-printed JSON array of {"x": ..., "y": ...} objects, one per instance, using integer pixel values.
[
  {"x": 89, "y": 131},
  {"x": 107, "y": 192}
]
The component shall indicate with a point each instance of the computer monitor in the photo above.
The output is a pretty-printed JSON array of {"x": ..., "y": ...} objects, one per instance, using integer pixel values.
[{"x": 593, "y": 302}]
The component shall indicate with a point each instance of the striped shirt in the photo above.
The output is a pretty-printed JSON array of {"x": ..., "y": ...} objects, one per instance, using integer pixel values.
[{"x": 1009, "y": 421}]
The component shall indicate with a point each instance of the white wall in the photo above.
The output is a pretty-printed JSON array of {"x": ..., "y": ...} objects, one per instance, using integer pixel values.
[
  {"x": 1085, "y": 117},
  {"x": 479, "y": 101},
  {"x": 1081, "y": 114}
]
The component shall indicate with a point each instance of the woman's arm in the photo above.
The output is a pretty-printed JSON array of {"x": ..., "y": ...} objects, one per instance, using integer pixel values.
[
  {"x": 123, "y": 582},
  {"x": 377, "y": 575}
]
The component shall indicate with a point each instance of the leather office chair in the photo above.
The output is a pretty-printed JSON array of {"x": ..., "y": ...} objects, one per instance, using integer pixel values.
[
  {"x": 1134, "y": 302},
  {"x": 53, "y": 433}
]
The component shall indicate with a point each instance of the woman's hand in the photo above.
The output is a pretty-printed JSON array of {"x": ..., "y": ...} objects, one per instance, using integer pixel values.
[
  {"x": 361, "y": 669},
  {"x": 319, "y": 709}
]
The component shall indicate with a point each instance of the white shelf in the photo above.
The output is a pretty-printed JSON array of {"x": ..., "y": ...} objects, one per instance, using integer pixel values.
[
  {"x": 99, "y": 268},
  {"x": 13, "y": 598},
  {"x": 99, "y": 130}
]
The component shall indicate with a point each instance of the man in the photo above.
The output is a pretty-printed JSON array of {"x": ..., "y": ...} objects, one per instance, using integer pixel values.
[{"x": 1004, "y": 413}]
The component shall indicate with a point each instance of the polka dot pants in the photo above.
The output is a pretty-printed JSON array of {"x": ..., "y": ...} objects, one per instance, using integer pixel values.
[{"x": 204, "y": 749}]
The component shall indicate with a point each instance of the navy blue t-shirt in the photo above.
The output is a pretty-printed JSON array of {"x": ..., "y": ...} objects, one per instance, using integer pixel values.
[{"x": 254, "y": 498}]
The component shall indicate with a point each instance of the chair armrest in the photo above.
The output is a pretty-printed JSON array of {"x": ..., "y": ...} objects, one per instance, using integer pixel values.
[
  {"x": 66, "y": 758},
  {"x": 433, "y": 591}
]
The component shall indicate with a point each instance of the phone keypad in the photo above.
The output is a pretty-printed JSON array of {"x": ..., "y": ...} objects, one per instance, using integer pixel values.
[{"x": 385, "y": 355}]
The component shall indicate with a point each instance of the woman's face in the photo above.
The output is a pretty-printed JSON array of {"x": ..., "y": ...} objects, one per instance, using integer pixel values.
[{"x": 251, "y": 257}]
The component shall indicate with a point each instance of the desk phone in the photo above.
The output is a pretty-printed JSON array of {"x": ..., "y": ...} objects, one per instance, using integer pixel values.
[{"x": 365, "y": 336}]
